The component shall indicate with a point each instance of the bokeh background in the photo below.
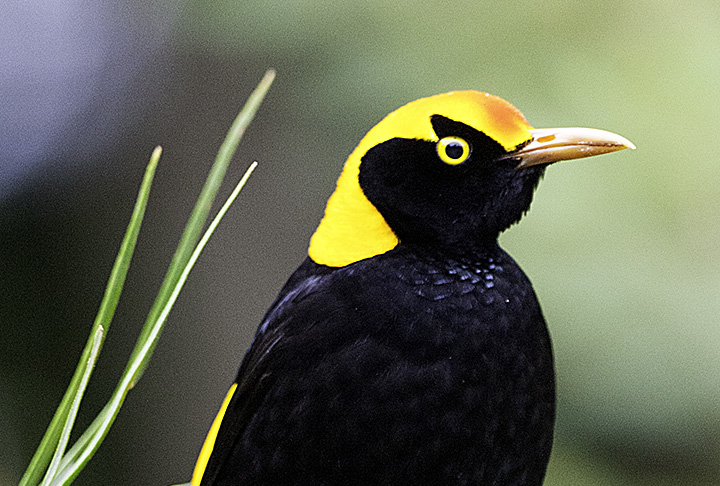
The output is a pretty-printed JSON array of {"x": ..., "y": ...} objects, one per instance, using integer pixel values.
[{"x": 622, "y": 249}]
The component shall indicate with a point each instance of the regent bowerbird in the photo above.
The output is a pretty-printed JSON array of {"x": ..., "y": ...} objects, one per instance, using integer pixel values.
[{"x": 408, "y": 348}]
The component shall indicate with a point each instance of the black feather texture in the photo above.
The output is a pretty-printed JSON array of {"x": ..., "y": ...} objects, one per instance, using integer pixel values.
[{"x": 408, "y": 368}]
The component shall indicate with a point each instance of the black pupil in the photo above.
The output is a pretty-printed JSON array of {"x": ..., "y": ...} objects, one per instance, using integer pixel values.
[{"x": 454, "y": 150}]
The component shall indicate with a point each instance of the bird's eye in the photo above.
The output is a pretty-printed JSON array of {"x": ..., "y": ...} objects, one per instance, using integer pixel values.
[{"x": 453, "y": 150}]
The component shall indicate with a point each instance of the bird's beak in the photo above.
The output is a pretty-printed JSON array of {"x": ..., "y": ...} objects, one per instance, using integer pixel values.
[{"x": 550, "y": 145}]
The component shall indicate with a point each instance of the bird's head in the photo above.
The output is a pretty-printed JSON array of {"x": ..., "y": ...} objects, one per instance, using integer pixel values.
[{"x": 454, "y": 169}]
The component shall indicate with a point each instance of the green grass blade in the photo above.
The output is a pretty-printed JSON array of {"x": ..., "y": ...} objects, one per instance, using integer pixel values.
[
  {"x": 70, "y": 420},
  {"x": 101, "y": 425},
  {"x": 43, "y": 454},
  {"x": 199, "y": 215},
  {"x": 80, "y": 445}
]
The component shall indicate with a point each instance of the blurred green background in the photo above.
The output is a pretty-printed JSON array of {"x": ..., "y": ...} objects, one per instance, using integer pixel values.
[{"x": 622, "y": 249}]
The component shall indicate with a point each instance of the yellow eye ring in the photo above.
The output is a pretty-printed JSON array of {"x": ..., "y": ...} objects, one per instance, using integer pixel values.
[{"x": 453, "y": 150}]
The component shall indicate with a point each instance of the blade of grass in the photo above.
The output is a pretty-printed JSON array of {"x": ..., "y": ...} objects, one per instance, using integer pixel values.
[
  {"x": 70, "y": 420},
  {"x": 77, "y": 448},
  {"x": 50, "y": 440},
  {"x": 201, "y": 210},
  {"x": 87, "y": 444},
  {"x": 83, "y": 452}
]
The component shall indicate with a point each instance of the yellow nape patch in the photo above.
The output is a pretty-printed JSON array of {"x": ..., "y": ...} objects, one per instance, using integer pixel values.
[
  {"x": 209, "y": 444},
  {"x": 353, "y": 229}
]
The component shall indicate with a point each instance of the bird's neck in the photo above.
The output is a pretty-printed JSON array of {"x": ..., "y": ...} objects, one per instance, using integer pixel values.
[{"x": 463, "y": 251}]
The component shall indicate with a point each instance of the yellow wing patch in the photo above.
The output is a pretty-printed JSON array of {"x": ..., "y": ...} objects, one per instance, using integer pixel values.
[
  {"x": 353, "y": 229},
  {"x": 209, "y": 444}
]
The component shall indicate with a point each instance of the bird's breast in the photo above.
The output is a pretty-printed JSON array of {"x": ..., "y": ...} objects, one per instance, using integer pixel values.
[
  {"x": 416, "y": 369},
  {"x": 485, "y": 296}
]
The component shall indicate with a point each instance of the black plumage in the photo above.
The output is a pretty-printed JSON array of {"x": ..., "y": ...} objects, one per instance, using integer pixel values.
[
  {"x": 375, "y": 392},
  {"x": 429, "y": 363}
]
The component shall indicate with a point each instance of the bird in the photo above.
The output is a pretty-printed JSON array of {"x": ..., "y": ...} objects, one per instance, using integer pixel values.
[{"x": 408, "y": 348}]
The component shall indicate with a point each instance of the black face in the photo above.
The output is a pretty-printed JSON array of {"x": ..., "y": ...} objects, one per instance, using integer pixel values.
[{"x": 427, "y": 199}]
